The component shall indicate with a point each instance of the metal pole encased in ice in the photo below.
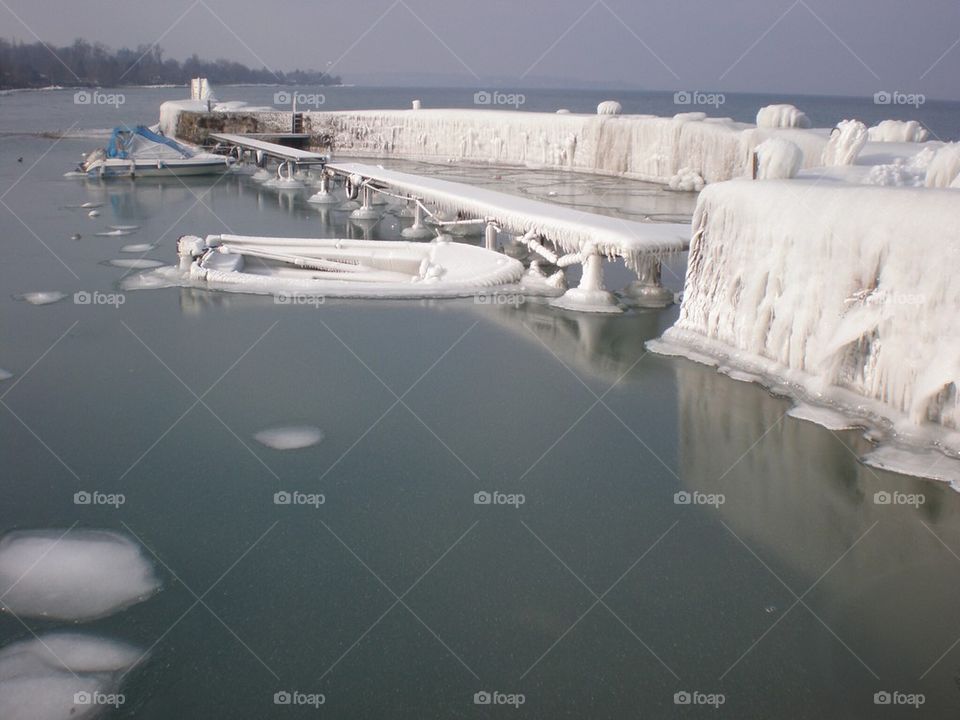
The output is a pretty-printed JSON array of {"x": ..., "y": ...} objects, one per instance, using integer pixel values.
[
  {"x": 591, "y": 294},
  {"x": 323, "y": 196},
  {"x": 647, "y": 290},
  {"x": 490, "y": 237},
  {"x": 418, "y": 230},
  {"x": 366, "y": 211}
]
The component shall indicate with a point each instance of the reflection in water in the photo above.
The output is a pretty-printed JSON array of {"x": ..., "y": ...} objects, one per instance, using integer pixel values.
[{"x": 799, "y": 498}]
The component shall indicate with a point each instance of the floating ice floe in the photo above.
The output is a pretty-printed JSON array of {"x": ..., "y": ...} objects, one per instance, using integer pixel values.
[
  {"x": 63, "y": 676},
  {"x": 138, "y": 248},
  {"x": 5, "y": 375},
  {"x": 129, "y": 228},
  {"x": 911, "y": 462},
  {"x": 289, "y": 438},
  {"x": 93, "y": 214},
  {"x": 136, "y": 263},
  {"x": 42, "y": 298},
  {"x": 114, "y": 233},
  {"x": 825, "y": 417},
  {"x": 72, "y": 575}
]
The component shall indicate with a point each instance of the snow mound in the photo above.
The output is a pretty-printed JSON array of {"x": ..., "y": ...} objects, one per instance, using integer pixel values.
[
  {"x": 75, "y": 575},
  {"x": 778, "y": 159},
  {"x": 782, "y": 116},
  {"x": 609, "y": 107},
  {"x": 687, "y": 180},
  {"x": 944, "y": 168},
  {"x": 55, "y": 676},
  {"x": 898, "y": 131},
  {"x": 289, "y": 438},
  {"x": 846, "y": 142}
]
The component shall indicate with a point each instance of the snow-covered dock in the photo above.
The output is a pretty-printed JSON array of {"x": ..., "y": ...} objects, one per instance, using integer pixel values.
[{"x": 566, "y": 228}]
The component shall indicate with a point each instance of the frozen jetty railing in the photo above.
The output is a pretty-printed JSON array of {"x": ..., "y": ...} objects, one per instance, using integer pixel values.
[{"x": 584, "y": 238}]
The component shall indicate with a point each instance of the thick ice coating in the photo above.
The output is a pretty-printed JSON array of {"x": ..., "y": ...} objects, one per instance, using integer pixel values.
[{"x": 75, "y": 575}]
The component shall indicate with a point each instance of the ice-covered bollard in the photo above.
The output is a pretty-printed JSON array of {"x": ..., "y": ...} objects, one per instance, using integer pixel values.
[
  {"x": 647, "y": 290},
  {"x": 609, "y": 107},
  {"x": 417, "y": 231},
  {"x": 188, "y": 248},
  {"x": 591, "y": 295},
  {"x": 944, "y": 168},
  {"x": 366, "y": 211},
  {"x": 782, "y": 116},
  {"x": 898, "y": 131},
  {"x": 777, "y": 159},
  {"x": 490, "y": 237},
  {"x": 846, "y": 142},
  {"x": 323, "y": 196}
]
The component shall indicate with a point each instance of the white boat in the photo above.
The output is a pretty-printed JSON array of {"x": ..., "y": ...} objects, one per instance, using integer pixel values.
[
  {"x": 142, "y": 152},
  {"x": 293, "y": 268}
]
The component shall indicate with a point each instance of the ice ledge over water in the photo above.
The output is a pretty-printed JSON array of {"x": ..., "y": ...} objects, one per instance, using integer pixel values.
[{"x": 843, "y": 294}]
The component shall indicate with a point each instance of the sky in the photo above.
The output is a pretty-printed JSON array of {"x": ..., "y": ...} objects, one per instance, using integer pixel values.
[{"x": 846, "y": 47}]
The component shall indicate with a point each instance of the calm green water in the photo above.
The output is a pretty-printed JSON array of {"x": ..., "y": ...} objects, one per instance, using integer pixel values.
[{"x": 599, "y": 596}]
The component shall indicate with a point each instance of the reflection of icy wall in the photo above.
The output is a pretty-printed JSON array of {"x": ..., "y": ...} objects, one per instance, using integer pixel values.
[
  {"x": 839, "y": 288},
  {"x": 799, "y": 499},
  {"x": 639, "y": 146}
]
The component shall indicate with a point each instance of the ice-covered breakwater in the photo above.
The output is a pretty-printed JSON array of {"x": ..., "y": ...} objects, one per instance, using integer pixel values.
[
  {"x": 645, "y": 147},
  {"x": 846, "y": 293}
]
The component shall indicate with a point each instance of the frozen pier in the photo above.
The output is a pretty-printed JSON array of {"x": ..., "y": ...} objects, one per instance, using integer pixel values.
[{"x": 584, "y": 238}]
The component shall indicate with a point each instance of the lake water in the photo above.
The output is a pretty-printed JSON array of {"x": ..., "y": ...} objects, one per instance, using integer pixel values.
[{"x": 784, "y": 586}]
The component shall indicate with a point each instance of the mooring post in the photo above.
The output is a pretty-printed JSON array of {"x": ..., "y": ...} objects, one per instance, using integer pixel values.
[
  {"x": 490, "y": 237},
  {"x": 647, "y": 290}
]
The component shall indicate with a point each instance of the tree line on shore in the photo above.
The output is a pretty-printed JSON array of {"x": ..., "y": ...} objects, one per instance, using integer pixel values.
[{"x": 84, "y": 64}]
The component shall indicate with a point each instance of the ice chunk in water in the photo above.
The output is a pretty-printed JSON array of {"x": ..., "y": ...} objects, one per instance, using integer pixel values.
[
  {"x": 5, "y": 375},
  {"x": 50, "y": 677},
  {"x": 43, "y": 298},
  {"x": 136, "y": 263},
  {"x": 77, "y": 575},
  {"x": 830, "y": 419},
  {"x": 138, "y": 248},
  {"x": 289, "y": 438}
]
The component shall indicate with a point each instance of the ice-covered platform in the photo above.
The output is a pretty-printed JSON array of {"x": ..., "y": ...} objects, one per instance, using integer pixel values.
[{"x": 568, "y": 229}]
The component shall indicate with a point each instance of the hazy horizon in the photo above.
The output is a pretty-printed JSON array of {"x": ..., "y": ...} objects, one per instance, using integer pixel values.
[{"x": 747, "y": 46}]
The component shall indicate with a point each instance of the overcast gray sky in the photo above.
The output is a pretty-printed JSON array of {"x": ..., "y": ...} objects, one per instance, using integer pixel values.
[{"x": 852, "y": 47}]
